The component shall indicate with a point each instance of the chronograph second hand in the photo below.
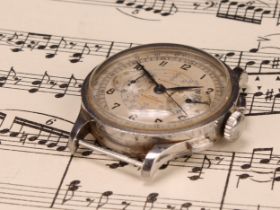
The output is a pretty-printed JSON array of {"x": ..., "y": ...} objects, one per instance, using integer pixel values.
[{"x": 176, "y": 103}]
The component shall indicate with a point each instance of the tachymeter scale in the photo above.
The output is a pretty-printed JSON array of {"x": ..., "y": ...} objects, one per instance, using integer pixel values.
[{"x": 126, "y": 94}]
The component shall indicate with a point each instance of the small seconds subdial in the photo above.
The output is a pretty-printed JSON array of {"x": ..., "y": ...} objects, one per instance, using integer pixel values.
[{"x": 160, "y": 88}]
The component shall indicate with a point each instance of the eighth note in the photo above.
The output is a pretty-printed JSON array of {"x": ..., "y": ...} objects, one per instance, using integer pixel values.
[
  {"x": 104, "y": 198},
  {"x": 263, "y": 160},
  {"x": 70, "y": 192},
  {"x": 150, "y": 200}
]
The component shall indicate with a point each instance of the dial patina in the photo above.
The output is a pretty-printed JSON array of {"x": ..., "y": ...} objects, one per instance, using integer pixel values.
[{"x": 159, "y": 87}]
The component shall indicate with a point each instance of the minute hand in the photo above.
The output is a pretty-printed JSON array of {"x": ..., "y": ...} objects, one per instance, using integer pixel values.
[
  {"x": 148, "y": 74},
  {"x": 184, "y": 88}
]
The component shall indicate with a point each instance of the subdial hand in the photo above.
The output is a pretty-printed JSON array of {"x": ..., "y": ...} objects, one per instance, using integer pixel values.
[
  {"x": 184, "y": 88},
  {"x": 135, "y": 80},
  {"x": 191, "y": 101}
]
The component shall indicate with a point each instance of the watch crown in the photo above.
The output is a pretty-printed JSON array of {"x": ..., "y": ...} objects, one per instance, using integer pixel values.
[{"x": 233, "y": 126}]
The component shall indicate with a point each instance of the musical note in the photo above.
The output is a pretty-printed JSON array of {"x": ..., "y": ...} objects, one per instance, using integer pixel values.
[
  {"x": 46, "y": 40},
  {"x": 206, "y": 163},
  {"x": 126, "y": 204},
  {"x": 21, "y": 44},
  {"x": 66, "y": 86},
  {"x": 241, "y": 12},
  {"x": 11, "y": 74},
  {"x": 16, "y": 122},
  {"x": 38, "y": 83},
  {"x": 104, "y": 199},
  {"x": 262, "y": 160},
  {"x": 242, "y": 177},
  {"x": 70, "y": 192},
  {"x": 228, "y": 55},
  {"x": 46, "y": 79},
  {"x": 117, "y": 165},
  {"x": 11, "y": 39},
  {"x": 185, "y": 206},
  {"x": 76, "y": 57},
  {"x": 150, "y": 200},
  {"x": 2, "y": 118},
  {"x": 36, "y": 136},
  {"x": 56, "y": 48},
  {"x": 249, "y": 63},
  {"x": 51, "y": 139},
  {"x": 256, "y": 94},
  {"x": 171, "y": 11},
  {"x": 170, "y": 207},
  {"x": 276, "y": 177},
  {"x": 263, "y": 62},
  {"x": 162, "y": 7}
]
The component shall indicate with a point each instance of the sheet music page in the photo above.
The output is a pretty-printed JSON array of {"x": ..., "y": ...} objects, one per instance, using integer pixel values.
[{"x": 47, "y": 49}]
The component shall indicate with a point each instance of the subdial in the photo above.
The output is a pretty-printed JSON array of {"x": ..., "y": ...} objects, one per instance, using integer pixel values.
[{"x": 131, "y": 81}]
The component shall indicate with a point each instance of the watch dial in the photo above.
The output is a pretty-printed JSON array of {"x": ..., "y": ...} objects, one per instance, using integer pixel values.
[{"x": 159, "y": 87}]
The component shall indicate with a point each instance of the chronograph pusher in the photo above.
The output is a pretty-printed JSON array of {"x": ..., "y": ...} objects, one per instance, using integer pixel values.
[{"x": 150, "y": 104}]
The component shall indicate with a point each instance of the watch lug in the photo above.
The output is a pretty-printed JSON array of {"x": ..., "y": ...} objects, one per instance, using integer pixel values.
[
  {"x": 162, "y": 153},
  {"x": 79, "y": 131},
  {"x": 241, "y": 103}
]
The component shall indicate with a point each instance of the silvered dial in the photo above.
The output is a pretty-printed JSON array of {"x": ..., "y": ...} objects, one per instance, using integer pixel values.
[{"x": 159, "y": 87}]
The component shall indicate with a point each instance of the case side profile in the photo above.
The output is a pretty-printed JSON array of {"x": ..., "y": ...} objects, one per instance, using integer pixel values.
[
  {"x": 162, "y": 153},
  {"x": 80, "y": 129}
]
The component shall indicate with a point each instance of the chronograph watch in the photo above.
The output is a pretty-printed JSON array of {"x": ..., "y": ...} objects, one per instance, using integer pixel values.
[{"x": 150, "y": 104}]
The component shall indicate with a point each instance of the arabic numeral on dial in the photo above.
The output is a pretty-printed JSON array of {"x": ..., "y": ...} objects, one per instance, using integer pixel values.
[
  {"x": 182, "y": 117},
  {"x": 116, "y": 105},
  {"x": 138, "y": 67},
  {"x": 110, "y": 91},
  {"x": 158, "y": 120},
  {"x": 132, "y": 117},
  {"x": 186, "y": 67},
  {"x": 209, "y": 90},
  {"x": 163, "y": 63}
]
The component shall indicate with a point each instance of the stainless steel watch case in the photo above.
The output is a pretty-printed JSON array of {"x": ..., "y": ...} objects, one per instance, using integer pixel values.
[{"x": 149, "y": 151}]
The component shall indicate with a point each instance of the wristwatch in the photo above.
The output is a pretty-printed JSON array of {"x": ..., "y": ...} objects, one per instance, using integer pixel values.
[{"x": 152, "y": 103}]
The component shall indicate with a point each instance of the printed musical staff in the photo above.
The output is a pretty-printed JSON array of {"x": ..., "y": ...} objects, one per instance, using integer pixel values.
[
  {"x": 256, "y": 62},
  {"x": 34, "y": 83},
  {"x": 242, "y": 11},
  {"x": 45, "y": 65},
  {"x": 246, "y": 11},
  {"x": 258, "y": 103},
  {"x": 44, "y": 138},
  {"x": 40, "y": 196},
  {"x": 261, "y": 164}
]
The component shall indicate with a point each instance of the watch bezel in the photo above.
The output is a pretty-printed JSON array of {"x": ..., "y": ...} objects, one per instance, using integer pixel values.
[{"x": 220, "y": 113}]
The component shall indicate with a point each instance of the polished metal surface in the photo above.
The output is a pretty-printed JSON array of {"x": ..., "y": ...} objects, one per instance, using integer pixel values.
[
  {"x": 156, "y": 149},
  {"x": 234, "y": 126}
]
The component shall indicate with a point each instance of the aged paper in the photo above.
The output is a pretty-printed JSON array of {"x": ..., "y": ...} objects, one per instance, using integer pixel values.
[{"x": 49, "y": 46}]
